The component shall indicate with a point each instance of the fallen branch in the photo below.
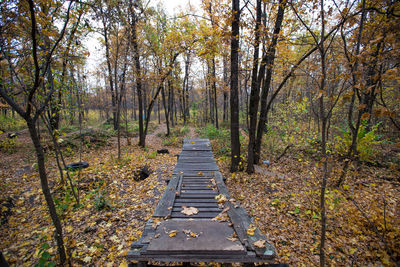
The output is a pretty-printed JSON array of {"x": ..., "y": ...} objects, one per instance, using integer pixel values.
[{"x": 284, "y": 152}]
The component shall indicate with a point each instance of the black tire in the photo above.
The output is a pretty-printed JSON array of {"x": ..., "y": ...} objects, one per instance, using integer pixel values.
[{"x": 77, "y": 165}]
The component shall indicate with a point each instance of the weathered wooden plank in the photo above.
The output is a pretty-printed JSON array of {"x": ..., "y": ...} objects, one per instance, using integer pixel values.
[
  {"x": 191, "y": 200},
  {"x": 197, "y": 196},
  {"x": 188, "y": 147},
  {"x": 206, "y": 166},
  {"x": 196, "y": 205},
  {"x": 211, "y": 239},
  {"x": 199, "y": 177},
  {"x": 195, "y": 187},
  {"x": 186, "y": 159},
  {"x": 204, "y": 215},
  {"x": 196, "y": 184},
  {"x": 196, "y": 140},
  {"x": 199, "y": 191},
  {"x": 192, "y": 153},
  {"x": 191, "y": 173},
  {"x": 167, "y": 200},
  {"x": 201, "y": 209}
]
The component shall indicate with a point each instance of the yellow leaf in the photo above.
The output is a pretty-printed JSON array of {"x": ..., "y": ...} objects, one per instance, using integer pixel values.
[
  {"x": 87, "y": 259},
  {"x": 172, "y": 233},
  {"x": 260, "y": 243},
  {"x": 221, "y": 199},
  {"x": 251, "y": 229}
]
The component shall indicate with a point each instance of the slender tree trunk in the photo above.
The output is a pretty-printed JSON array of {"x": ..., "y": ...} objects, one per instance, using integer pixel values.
[
  {"x": 225, "y": 76},
  {"x": 46, "y": 190},
  {"x": 254, "y": 93},
  {"x": 264, "y": 94},
  {"x": 171, "y": 102},
  {"x": 214, "y": 86},
  {"x": 234, "y": 99},
  {"x": 324, "y": 118},
  {"x": 158, "y": 111},
  {"x": 166, "y": 111},
  {"x": 138, "y": 82}
]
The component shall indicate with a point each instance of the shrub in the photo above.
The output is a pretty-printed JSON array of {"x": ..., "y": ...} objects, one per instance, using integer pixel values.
[
  {"x": 12, "y": 124},
  {"x": 8, "y": 145},
  {"x": 171, "y": 141},
  {"x": 101, "y": 202},
  {"x": 222, "y": 136},
  {"x": 366, "y": 141}
]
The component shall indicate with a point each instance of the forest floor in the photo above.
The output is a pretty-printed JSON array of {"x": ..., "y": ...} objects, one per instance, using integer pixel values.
[{"x": 363, "y": 214}]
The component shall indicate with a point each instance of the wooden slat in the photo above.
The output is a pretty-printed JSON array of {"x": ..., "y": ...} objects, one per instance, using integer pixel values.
[
  {"x": 208, "y": 215},
  {"x": 186, "y": 159},
  {"x": 167, "y": 200},
  {"x": 198, "y": 191},
  {"x": 201, "y": 209},
  {"x": 195, "y": 187},
  {"x": 196, "y": 140},
  {"x": 203, "y": 174},
  {"x": 194, "y": 147},
  {"x": 210, "y": 166},
  {"x": 207, "y": 154},
  {"x": 198, "y": 196},
  {"x": 190, "y": 200},
  {"x": 196, "y": 205}
]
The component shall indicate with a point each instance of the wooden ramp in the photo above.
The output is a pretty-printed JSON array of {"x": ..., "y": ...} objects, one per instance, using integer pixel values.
[{"x": 217, "y": 231}]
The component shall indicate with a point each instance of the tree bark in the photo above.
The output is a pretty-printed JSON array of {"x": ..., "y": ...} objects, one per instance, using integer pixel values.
[
  {"x": 31, "y": 123},
  {"x": 234, "y": 98},
  {"x": 267, "y": 81},
  {"x": 138, "y": 80},
  {"x": 166, "y": 111},
  {"x": 255, "y": 92}
]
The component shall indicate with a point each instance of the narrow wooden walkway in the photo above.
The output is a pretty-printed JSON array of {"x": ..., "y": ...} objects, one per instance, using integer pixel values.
[{"x": 215, "y": 229}]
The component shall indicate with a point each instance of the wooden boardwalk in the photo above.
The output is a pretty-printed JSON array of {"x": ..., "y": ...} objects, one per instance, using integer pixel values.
[{"x": 215, "y": 229}]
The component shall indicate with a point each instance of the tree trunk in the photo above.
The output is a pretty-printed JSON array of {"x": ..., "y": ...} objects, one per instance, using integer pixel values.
[
  {"x": 214, "y": 86},
  {"x": 225, "y": 76},
  {"x": 166, "y": 111},
  {"x": 171, "y": 102},
  {"x": 138, "y": 83},
  {"x": 234, "y": 98},
  {"x": 254, "y": 93},
  {"x": 46, "y": 190},
  {"x": 267, "y": 81}
]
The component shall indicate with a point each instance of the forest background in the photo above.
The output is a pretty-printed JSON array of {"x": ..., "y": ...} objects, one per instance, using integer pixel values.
[{"x": 299, "y": 98}]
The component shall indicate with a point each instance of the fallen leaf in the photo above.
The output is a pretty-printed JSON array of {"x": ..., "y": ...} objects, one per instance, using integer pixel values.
[
  {"x": 189, "y": 211},
  {"x": 221, "y": 198},
  {"x": 87, "y": 259},
  {"x": 172, "y": 233},
  {"x": 232, "y": 238},
  {"x": 251, "y": 229},
  {"x": 260, "y": 243}
]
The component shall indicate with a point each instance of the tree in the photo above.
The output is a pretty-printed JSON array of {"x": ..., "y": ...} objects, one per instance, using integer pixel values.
[
  {"x": 36, "y": 97},
  {"x": 234, "y": 97},
  {"x": 258, "y": 73}
]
